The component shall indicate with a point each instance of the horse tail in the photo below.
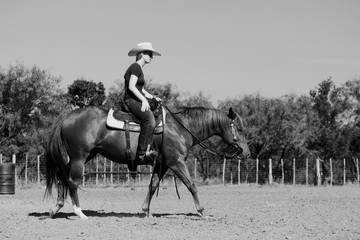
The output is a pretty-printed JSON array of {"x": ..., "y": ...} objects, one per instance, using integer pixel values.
[{"x": 56, "y": 160}]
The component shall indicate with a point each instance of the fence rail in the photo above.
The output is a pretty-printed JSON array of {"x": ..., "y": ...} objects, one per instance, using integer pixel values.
[{"x": 101, "y": 171}]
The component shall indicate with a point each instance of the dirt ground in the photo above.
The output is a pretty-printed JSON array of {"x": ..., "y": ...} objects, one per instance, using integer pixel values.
[{"x": 232, "y": 212}]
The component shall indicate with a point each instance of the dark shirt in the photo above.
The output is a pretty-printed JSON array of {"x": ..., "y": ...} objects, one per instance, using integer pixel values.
[{"x": 136, "y": 70}]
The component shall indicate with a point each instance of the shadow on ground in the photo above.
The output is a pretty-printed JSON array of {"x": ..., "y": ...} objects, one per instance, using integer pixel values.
[{"x": 102, "y": 214}]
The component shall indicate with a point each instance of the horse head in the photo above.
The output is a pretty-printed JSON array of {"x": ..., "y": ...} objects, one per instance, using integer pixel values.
[{"x": 234, "y": 134}]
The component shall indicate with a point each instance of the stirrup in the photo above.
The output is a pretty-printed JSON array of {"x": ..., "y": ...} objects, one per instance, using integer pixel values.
[{"x": 149, "y": 158}]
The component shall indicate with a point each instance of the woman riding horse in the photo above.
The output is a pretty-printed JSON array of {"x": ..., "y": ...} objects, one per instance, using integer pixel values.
[{"x": 136, "y": 100}]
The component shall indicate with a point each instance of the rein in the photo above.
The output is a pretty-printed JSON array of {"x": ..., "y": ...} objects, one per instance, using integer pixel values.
[{"x": 202, "y": 143}]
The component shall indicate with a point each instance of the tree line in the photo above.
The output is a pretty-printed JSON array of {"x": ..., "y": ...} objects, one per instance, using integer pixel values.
[{"x": 321, "y": 124}]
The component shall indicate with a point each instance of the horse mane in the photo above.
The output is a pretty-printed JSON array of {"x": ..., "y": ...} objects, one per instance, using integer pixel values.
[{"x": 208, "y": 119}]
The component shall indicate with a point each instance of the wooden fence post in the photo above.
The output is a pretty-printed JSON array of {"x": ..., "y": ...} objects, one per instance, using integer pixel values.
[
  {"x": 307, "y": 172},
  {"x": 97, "y": 170},
  {"x": 344, "y": 171},
  {"x": 318, "y": 172},
  {"x": 128, "y": 177},
  {"x": 239, "y": 164},
  {"x": 104, "y": 171},
  {"x": 331, "y": 173},
  {"x": 294, "y": 172},
  {"x": 14, "y": 162},
  {"x": 257, "y": 171},
  {"x": 282, "y": 172},
  {"x": 207, "y": 166},
  {"x": 119, "y": 168},
  {"x": 26, "y": 169},
  {"x": 139, "y": 174},
  {"x": 270, "y": 172},
  {"x": 83, "y": 176},
  {"x": 111, "y": 174},
  {"x": 224, "y": 166},
  {"x": 357, "y": 169},
  {"x": 38, "y": 170}
]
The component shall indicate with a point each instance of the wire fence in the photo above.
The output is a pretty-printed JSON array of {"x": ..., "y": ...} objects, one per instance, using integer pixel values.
[{"x": 30, "y": 170}]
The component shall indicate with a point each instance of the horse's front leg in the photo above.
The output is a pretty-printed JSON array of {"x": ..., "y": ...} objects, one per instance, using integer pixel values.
[
  {"x": 182, "y": 172},
  {"x": 158, "y": 174},
  {"x": 132, "y": 175}
]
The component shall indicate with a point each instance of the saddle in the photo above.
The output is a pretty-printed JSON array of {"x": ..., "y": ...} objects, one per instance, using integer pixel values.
[{"x": 121, "y": 120}]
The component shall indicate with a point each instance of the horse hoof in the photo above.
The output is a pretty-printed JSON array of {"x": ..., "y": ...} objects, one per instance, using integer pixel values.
[
  {"x": 79, "y": 213},
  {"x": 146, "y": 211},
  {"x": 201, "y": 212},
  {"x": 148, "y": 215},
  {"x": 84, "y": 217},
  {"x": 51, "y": 213}
]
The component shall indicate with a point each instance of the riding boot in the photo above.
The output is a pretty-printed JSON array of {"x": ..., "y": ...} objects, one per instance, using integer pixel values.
[{"x": 149, "y": 157}]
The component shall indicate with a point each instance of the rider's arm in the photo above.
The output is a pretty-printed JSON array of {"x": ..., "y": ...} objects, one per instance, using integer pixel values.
[
  {"x": 147, "y": 94},
  {"x": 132, "y": 88}
]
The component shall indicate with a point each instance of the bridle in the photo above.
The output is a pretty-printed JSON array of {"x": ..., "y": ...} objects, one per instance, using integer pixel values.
[{"x": 234, "y": 145}]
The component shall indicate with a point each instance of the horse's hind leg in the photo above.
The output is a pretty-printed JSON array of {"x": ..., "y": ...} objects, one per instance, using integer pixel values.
[
  {"x": 156, "y": 178},
  {"x": 75, "y": 179},
  {"x": 60, "y": 200},
  {"x": 182, "y": 172}
]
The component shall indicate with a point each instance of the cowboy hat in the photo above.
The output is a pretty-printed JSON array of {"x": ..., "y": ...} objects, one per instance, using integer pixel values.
[{"x": 141, "y": 47}]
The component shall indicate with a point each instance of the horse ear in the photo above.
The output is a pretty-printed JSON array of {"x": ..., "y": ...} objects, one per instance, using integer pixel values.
[{"x": 232, "y": 114}]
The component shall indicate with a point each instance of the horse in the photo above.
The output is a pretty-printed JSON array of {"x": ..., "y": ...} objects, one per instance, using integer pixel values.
[{"x": 80, "y": 135}]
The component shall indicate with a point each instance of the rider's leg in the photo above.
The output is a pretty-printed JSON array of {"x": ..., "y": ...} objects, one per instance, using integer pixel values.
[{"x": 147, "y": 131}]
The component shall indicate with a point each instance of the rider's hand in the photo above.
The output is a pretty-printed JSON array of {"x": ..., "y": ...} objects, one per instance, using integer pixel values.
[{"x": 145, "y": 106}]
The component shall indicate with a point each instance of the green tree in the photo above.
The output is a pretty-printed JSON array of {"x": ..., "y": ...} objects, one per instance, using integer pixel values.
[
  {"x": 29, "y": 100},
  {"x": 167, "y": 92},
  {"x": 116, "y": 96},
  {"x": 84, "y": 93},
  {"x": 329, "y": 103},
  {"x": 276, "y": 128},
  {"x": 196, "y": 100},
  {"x": 330, "y": 140},
  {"x": 350, "y": 121},
  {"x": 351, "y": 90}
]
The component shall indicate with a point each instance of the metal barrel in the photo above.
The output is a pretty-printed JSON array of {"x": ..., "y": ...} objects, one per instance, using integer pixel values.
[{"x": 7, "y": 178}]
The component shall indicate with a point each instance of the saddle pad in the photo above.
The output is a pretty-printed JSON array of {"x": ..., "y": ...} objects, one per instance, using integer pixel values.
[{"x": 133, "y": 126}]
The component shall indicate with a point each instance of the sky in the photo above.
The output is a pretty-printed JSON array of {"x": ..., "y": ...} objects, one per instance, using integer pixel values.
[{"x": 226, "y": 49}]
